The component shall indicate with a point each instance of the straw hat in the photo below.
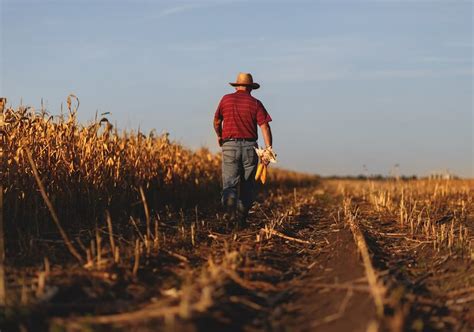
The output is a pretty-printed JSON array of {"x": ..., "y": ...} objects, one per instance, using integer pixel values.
[{"x": 245, "y": 79}]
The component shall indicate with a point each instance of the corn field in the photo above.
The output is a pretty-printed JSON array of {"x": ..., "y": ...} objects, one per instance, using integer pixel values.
[
  {"x": 88, "y": 169},
  {"x": 107, "y": 228}
]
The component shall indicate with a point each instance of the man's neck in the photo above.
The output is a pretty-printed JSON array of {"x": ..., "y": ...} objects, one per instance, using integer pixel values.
[{"x": 243, "y": 89}]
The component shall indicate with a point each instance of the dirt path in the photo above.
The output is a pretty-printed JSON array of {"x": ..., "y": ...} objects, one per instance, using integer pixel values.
[{"x": 333, "y": 295}]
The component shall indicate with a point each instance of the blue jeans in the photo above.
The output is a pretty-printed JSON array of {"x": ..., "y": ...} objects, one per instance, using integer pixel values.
[{"x": 239, "y": 164}]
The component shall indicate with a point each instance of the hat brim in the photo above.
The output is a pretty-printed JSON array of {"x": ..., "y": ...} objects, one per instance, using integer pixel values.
[{"x": 252, "y": 85}]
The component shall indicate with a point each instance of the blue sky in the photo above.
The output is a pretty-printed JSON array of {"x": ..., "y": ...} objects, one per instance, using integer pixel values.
[{"x": 348, "y": 83}]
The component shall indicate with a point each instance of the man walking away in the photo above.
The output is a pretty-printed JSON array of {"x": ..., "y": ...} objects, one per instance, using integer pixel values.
[{"x": 235, "y": 123}]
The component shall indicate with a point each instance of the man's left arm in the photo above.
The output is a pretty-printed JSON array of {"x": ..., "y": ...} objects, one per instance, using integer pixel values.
[
  {"x": 218, "y": 123},
  {"x": 218, "y": 129}
]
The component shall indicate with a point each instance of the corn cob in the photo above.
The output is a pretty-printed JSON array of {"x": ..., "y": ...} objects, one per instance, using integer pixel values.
[
  {"x": 263, "y": 177},
  {"x": 259, "y": 171}
]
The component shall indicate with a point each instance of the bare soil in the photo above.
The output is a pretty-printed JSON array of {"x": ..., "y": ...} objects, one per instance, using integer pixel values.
[{"x": 296, "y": 267}]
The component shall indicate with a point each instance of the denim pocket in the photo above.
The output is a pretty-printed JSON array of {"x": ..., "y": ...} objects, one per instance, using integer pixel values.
[
  {"x": 229, "y": 156},
  {"x": 251, "y": 156}
]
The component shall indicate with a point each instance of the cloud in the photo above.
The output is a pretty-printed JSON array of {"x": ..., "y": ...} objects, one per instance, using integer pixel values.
[
  {"x": 438, "y": 59},
  {"x": 460, "y": 44},
  {"x": 180, "y": 9},
  {"x": 332, "y": 58},
  {"x": 308, "y": 73},
  {"x": 189, "y": 6}
]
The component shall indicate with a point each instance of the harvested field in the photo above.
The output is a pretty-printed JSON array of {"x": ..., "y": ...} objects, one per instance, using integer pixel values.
[{"x": 111, "y": 230}]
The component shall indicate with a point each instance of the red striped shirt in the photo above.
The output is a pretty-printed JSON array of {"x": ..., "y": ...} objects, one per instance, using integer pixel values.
[{"x": 241, "y": 113}]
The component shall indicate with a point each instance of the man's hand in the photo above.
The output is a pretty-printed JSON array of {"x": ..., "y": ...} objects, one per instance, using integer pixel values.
[
  {"x": 265, "y": 161},
  {"x": 220, "y": 141},
  {"x": 266, "y": 155}
]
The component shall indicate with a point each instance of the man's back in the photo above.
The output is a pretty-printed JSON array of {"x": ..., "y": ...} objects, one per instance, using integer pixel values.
[{"x": 241, "y": 113}]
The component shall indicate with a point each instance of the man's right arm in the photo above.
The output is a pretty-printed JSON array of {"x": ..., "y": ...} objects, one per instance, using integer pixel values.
[
  {"x": 267, "y": 137},
  {"x": 263, "y": 119}
]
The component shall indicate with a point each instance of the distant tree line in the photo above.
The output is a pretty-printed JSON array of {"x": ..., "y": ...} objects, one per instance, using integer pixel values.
[{"x": 380, "y": 177}]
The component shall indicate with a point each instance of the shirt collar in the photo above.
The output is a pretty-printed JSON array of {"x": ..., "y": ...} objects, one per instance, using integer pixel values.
[{"x": 243, "y": 91}]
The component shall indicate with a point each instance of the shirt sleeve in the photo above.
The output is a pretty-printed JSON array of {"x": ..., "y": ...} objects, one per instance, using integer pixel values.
[
  {"x": 218, "y": 114},
  {"x": 262, "y": 114}
]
